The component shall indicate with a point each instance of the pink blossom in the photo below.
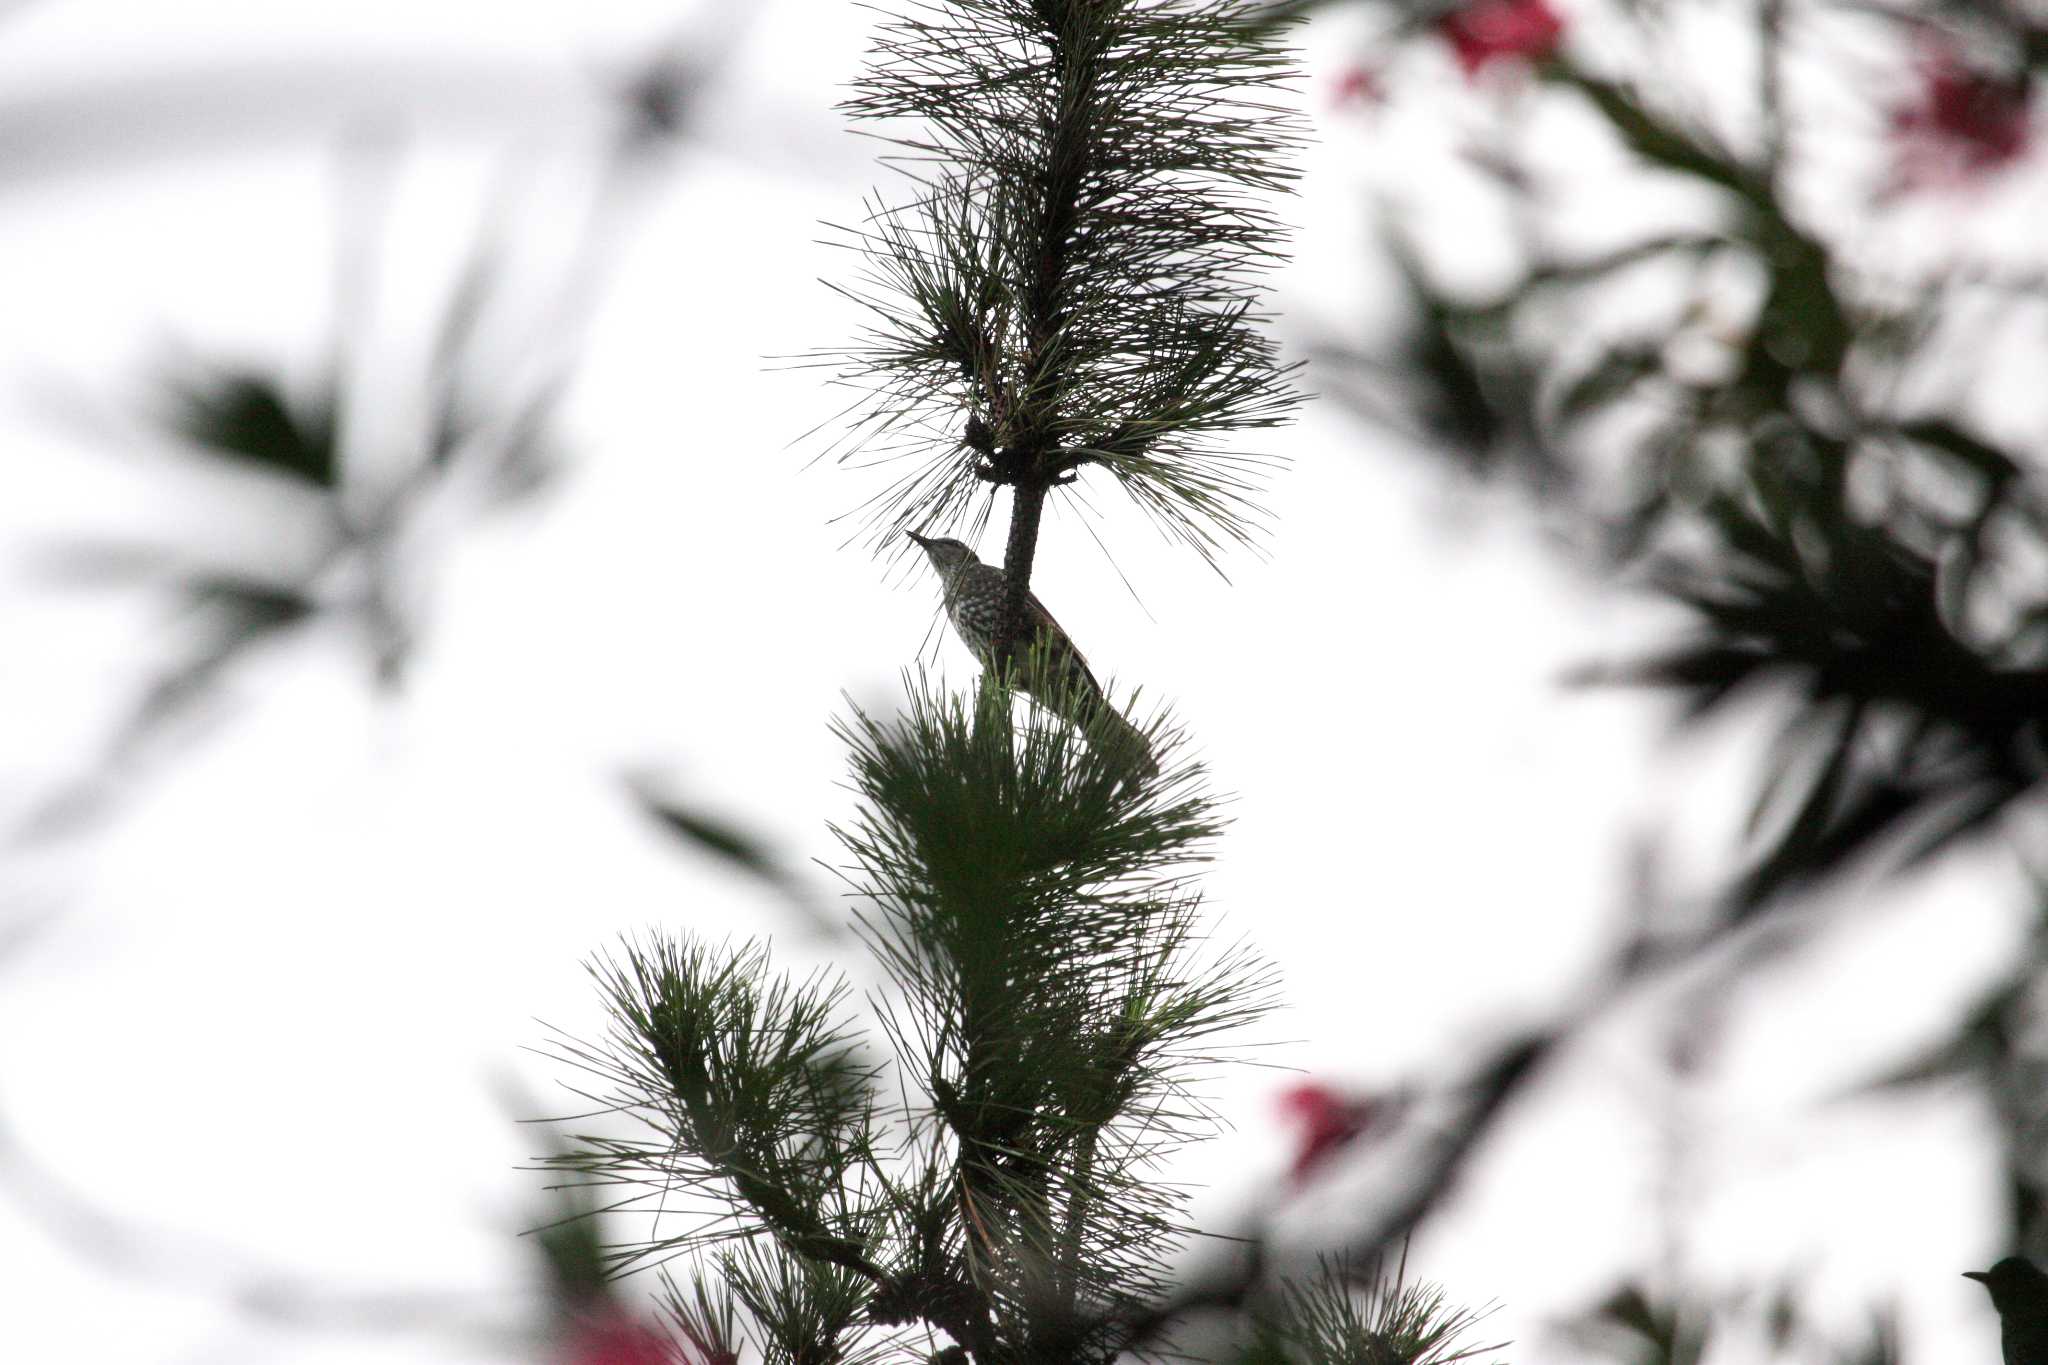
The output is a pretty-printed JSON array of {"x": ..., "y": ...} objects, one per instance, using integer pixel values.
[
  {"x": 616, "y": 1339},
  {"x": 1486, "y": 31},
  {"x": 1328, "y": 1122},
  {"x": 1962, "y": 124},
  {"x": 1358, "y": 85}
]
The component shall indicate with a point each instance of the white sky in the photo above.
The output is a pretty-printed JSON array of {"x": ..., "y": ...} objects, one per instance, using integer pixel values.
[{"x": 269, "y": 1004}]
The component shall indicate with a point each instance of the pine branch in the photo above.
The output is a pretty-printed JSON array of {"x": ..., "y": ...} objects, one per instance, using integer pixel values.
[
  {"x": 1033, "y": 907},
  {"x": 1051, "y": 1005},
  {"x": 1356, "y": 1313},
  {"x": 757, "y": 1103},
  {"x": 1073, "y": 283}
]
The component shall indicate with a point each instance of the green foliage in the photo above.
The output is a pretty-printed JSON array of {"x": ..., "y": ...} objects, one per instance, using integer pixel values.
[
  {"x": 1350, "y": 1315},
  {"x": 1766, "y": 456},
  {"x": 712, "y": 834},
  {"x": 1645, "y": 1331},
  {"x": 1903, "y": 732},
  {"x": 1028, "y": 898},
  {"x": 484, "y": 398},
  {"x": 245, "y": 416},
  {"x": 750, "y": 1085},
  {"x": 981, "y": 815},
  {"x": 1762, "y": 383},
  {"x": 1635, "y": 1326},
  {"x": 1072, "y": 283},
  {"x": 805, "y": 1310},
  {"x": 704, "y": 1318},
  {"x": 1033, "y": 905}
]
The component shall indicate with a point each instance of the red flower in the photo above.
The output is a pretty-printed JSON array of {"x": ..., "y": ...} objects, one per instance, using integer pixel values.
[
  {"x": 1329, "y": 1122},
  {"x": 1486, "y": 31},
  {"x": 616, "y": 1339},
  {"x": 1964, "y": 123},
  {"x": 1358, "y": 85}
]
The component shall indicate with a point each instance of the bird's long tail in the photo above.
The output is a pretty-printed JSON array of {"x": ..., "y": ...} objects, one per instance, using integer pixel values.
[
  {"x": 1124, "y": 739},
  {"x": 1108, "y": 732},
  {"x": 1064, "y": 685}
]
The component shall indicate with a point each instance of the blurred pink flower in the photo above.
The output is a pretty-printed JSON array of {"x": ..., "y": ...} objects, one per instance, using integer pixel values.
[
  {"x": 1962, "y": 124},
  {"x": 1358, "y": 85},
  {"x": 1328, "y": 1121},
  {"x": 1486, "y": 31},
  {"x": 613, "y": 1338}
]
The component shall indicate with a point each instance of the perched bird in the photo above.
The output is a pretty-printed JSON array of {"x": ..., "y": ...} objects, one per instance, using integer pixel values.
[
  {"x": 974, "y": 602},
  {"x": 2019, "y": 1291}
]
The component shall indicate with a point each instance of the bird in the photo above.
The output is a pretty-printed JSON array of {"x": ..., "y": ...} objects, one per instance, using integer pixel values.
[
  {"x": 974, "y": 603},
  {"x": 2019, "y": 1291}
]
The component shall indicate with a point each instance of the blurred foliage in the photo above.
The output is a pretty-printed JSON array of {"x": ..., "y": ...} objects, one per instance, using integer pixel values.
[
  {"x": 348, "y": 507},
  {"x": 355, "y": 470},
  {"x": 245, "y": 415},
  {"x": 487, "y": 432},
  {"x": 352, "y": 472},
  {"x": 590, "y": 1324},
  {"x": 1759, "y": 460},
  {"x": 1640, "y": 1328},
  {"x": 691, "y": 824},
  {"x": 1634, "y": 1328},
  {"x": 1784, "y": 381},
  {"x": 347, "y": 544}
]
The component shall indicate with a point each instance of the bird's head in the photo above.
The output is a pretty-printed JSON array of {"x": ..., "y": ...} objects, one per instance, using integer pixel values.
[
  {"x": 2013, "y": 1282},
  {"x": 948, "y": 556}
]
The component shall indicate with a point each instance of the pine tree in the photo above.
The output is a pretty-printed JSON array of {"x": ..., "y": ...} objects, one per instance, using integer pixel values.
[{"x": 1069, "y": 287}]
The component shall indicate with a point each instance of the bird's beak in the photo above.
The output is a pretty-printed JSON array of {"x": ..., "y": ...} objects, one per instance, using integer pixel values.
[
  {"x": 919, "y": 539},
  {"x": 1980, "y": 1276}
]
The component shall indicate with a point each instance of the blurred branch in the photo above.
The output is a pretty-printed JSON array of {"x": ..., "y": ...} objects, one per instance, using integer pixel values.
[
  {"x": 1472, "y": 1106},
  {"x": 118, "y": 1246},
  {"x": 730, "y": 845}
]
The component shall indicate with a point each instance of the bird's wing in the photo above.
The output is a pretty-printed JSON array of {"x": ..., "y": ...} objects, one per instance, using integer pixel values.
[{"x": 1041, "y": 619}]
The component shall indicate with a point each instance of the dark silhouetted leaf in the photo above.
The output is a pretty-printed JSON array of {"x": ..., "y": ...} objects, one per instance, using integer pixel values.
[
  {"x": 1979, "y": 456},
  {"x": 1606, "y": 379},
  {"x": 1668, "y": 1333},
  {"x": 1651, "y": 137},
  {"x": 733, "y": 847},
  {"x": 247, "y": 417},
  {"x": 1804, "y": 326},
  {"x": 712, "y": 836},
  {"x": 1630, "y": 1308},
  {"x": 255, "y": 606}
]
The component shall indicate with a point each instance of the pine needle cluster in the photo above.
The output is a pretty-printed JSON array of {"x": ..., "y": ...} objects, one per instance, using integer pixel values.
[
  {"x": 1072, "y": 282},
  {"x": 1050, "y": 1006},
  {"x": 1362, "y": 1314}
]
